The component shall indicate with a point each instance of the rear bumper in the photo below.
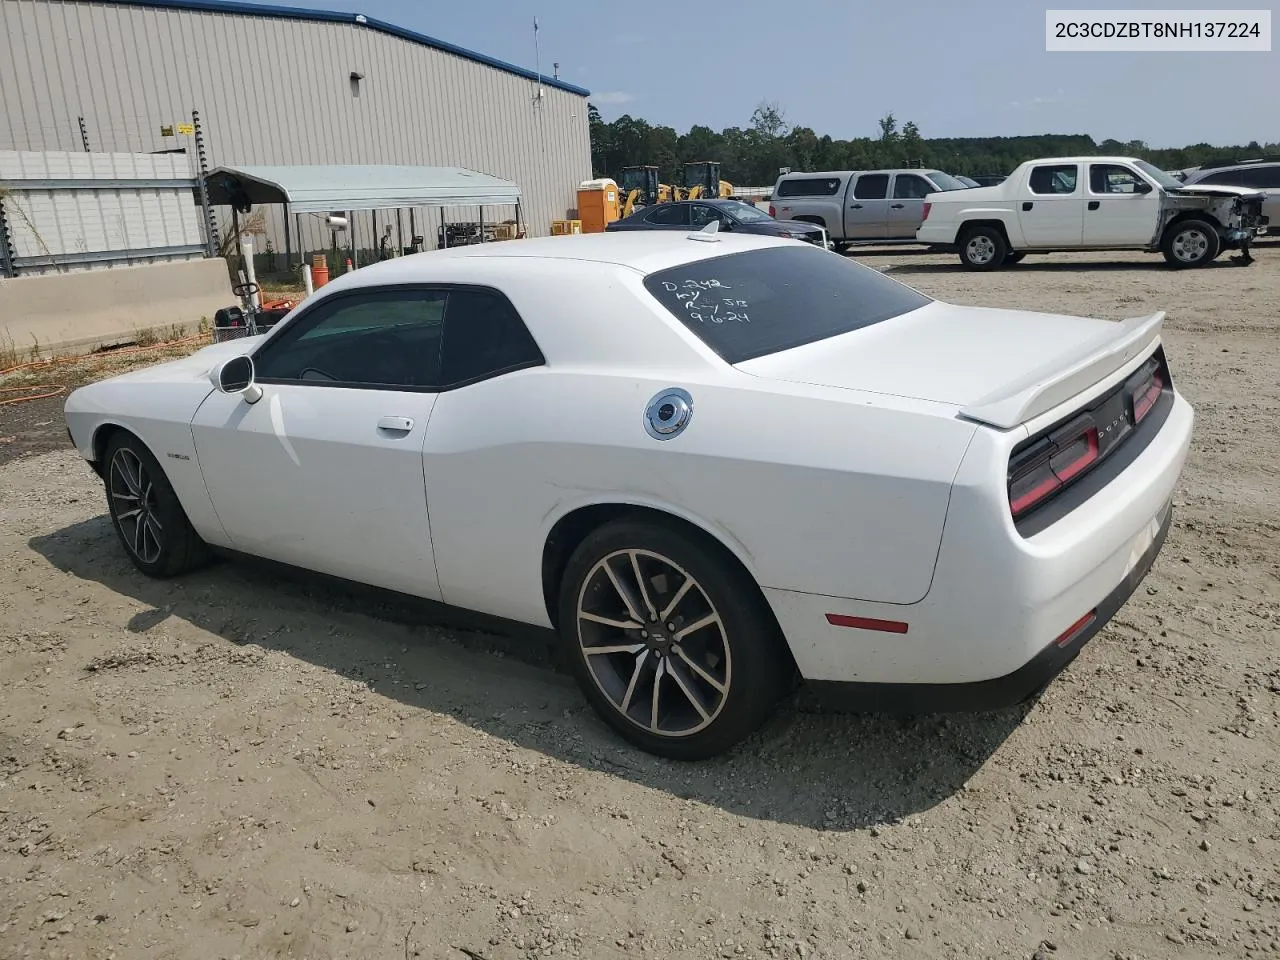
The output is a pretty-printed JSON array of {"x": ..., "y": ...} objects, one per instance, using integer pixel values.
[
  {"x": 999, "y": 692},
  {"x": 990, "y": 630}
]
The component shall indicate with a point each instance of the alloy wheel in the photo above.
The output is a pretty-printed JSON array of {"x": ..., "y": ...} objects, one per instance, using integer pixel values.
[
  {"x": 980, "y": 249},
  {"x": 1190, "y": 245},
  {"x": 133, "y": 504},
  {"x": 654, "y": 643}
]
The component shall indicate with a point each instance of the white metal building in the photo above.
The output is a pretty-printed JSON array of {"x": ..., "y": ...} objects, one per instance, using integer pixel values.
[{"x": 276, "y": 85}]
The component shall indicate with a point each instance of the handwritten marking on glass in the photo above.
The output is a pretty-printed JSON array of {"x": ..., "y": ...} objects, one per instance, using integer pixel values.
[{"x": 708, "y": 310}]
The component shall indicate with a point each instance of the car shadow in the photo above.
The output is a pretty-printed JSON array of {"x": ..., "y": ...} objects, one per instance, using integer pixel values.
[{"x": 821, "y": 770}]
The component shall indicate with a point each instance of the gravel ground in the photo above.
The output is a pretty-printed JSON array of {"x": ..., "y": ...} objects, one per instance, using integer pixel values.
[{"x": 243, "y": 763}]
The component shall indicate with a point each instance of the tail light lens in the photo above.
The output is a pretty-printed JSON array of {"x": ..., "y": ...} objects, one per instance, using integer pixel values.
[
  {"x": 926, "y": 211},
  {"x": 1046, "y": 466},
  {"x": 1145, "y": 389},
  {"x": 772, "y": 212}
]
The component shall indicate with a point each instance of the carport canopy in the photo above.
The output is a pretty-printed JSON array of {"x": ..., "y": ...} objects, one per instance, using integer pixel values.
[{"x": 321, "y": 189}]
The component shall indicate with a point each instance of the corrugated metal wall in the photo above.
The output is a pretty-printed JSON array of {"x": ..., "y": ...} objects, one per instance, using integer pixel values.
[
  {"x": 133, "y": 218},
  {"x": 273, "y": 90}
]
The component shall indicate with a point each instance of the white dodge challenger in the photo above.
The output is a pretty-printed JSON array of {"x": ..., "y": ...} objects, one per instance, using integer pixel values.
[{"x": 714, "y": 464}]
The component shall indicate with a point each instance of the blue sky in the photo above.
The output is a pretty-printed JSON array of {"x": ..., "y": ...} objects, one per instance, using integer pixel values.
[{"x": 956, "y": 69}]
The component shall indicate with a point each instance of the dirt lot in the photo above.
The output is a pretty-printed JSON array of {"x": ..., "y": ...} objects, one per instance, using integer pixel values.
[{"x": 242, "y": 764}]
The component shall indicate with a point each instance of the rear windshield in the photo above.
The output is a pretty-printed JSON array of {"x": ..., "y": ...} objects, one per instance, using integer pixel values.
[{"x": 748, "y": 305}]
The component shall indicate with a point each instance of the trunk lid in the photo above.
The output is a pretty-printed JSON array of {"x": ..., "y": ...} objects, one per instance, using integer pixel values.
[{"x": 999, "y": 367}]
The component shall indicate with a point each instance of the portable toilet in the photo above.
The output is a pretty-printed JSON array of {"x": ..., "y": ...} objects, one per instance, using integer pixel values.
[{"x": 597, "y": 204}]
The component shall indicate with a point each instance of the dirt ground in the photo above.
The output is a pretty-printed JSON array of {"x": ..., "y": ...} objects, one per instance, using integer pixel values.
[{"x": 247, "y": 764}]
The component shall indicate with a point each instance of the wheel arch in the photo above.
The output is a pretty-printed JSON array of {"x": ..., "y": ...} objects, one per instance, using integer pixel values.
[
  {"x": 815, "y": 219},
  {"x": 1186, "y": 215},
  {"x": 1000, "y": 225},
  {"x": 576, "y": 524},
  {"x": 101, "y": 436}
]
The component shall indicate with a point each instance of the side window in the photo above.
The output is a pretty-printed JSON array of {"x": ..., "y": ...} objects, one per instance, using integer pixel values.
[
  {"x": 702, "y": 215},
  {"x": 1262, "y": 178},
  {"x": 1112, "y": 178},
  {"x": 809, "y": 187},
  {"x": 908, "y": 186},
  {"x": 1054, "y": 179},
  {"x": 484, "y": 336},
  {"x": 872, "y": 186},
  {"x": 669, "y": 214},
  {"x": 384, "y": 338},
  {"x": 1227, "y": 178}
]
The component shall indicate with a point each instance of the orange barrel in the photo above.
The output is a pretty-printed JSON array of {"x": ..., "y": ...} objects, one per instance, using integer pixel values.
[
  {"x": 348, "y": 264},
  {"x": 319, "y": 271}
]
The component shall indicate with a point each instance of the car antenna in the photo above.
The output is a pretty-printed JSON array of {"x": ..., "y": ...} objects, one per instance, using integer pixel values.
[{"x": 707, "y": 233}]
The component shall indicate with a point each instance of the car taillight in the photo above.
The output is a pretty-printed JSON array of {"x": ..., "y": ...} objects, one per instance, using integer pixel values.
[
  {"x": 1051, "y": 463},
  {"x": 1145, "y": 390},
  {"x": 772, "y": 212},
  {"x": 926, "y": 211}
]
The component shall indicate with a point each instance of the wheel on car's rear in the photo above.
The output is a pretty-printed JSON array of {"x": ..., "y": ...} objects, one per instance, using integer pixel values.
[
  {"x": 145, "y": 511},
  {"x": 983, "y": 248},
  {"x": 1190, "y": 243},
  {"x": 671, "y": 642}
]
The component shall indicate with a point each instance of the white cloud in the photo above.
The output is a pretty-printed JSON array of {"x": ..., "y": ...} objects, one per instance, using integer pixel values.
[
  {"x": 1038, "y": 101},
  {"x": 611, "y": 97}
]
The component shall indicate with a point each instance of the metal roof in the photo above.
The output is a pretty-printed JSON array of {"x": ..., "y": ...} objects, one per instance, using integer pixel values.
[
  {"x": 337, "y": 16},
  {"x": 319, "y": 189}
]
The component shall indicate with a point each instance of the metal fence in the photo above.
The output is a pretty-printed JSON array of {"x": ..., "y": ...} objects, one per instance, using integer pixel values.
[{"x": 64, "y": 211}]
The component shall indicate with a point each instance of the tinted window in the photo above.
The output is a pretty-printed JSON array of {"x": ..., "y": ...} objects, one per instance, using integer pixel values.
[
  {"x": 1261, "y": 178},
  {"x": 1055, "y": 178},
  {"x": 382, "y": 338},
  {"x": 944, "y": 181},
  {"x": 872, "y": 186},
  {"x": 702, "y": 215},
  {"x": 747, "y": 305},
  {"x": 809, "y": 187},
  {"x": 907, "y": 186},
  {"x": 484, "y": 336},
  {"x": 1228, "y": 178},
  {"x": 668, "y": 214},
  {"x": 1112, "y": 178}
]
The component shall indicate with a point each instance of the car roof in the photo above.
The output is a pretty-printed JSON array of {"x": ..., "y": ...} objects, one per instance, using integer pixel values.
[
  {"x": 1232, "y": 167},
  {"x": 823, "y": 174},
  {"x": 641, "y": 250}
]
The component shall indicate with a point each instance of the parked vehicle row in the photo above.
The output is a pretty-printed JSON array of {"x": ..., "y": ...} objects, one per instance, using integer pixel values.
[
  {"x": 868, "y": 206},
  {"x": 731, "y": 215},
  {"x": 1093, "y": 203}
]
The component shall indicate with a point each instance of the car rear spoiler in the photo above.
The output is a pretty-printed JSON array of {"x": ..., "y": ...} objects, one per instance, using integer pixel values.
[{"x": 1045, "y": 387}]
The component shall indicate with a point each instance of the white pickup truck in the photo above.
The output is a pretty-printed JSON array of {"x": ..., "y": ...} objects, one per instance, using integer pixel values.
[{"x": 1092, "y": 203}]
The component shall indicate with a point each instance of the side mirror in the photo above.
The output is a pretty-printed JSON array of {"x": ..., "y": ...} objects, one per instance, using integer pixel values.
[
  {"x": 236, "y": 376},
  {"x": 1142, "y": 187}
]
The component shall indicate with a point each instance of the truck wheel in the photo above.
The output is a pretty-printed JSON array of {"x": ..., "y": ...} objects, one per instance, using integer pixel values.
[
  {"x": 983, "y": 248},
  {"x": 1190, "y": 243}
]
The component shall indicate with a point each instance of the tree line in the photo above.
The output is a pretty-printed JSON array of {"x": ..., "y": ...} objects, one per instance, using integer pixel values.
[{"x": 752, "y": 155}]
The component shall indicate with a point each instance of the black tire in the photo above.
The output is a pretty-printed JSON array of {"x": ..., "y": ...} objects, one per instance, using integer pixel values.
[
  {"x": 983, "y": 248},
  {"x": 1012, "y": 258},
  {"x": 1190, "y": 243},
  {"x": 741, "y": 651},
  {"x": 160, "y": 541}
]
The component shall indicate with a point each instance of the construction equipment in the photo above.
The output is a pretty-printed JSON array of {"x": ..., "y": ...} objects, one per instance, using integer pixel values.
[
  {"x": 641, "y": 188},
  {"x": 702, "y": 179}
]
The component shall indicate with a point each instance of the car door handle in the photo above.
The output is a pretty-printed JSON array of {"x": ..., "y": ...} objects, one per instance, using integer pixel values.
[
  {"x": 855, "y": 206},
  {"x": 1027, "y": 206},
  {"x": 396, "y": 424},
  {"x": 1093, "y": 204},
  {"x": 897, "y": 206}
]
